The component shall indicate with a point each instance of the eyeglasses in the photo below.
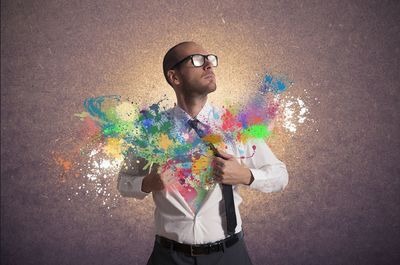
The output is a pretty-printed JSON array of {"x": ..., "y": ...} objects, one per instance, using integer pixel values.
[{"x": 198, "y": 60}]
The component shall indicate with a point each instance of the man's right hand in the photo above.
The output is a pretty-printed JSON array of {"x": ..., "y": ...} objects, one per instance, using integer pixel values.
[
  {"x": 158, "y": 181},
  {"x": 152, "y": 182}
]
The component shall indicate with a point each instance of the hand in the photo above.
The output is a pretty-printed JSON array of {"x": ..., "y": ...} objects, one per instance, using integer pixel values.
[
  {"x": 152, "y": 182},
  {"x": 227, "y": 170},
  {"x": 156, "y": 181}
]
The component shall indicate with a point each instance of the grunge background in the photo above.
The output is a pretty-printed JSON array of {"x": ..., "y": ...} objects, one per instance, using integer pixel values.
[{"x": 342, "y": 202}]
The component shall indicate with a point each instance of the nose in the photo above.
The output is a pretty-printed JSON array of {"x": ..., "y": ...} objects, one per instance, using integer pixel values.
[{"x": 207, "y": 64}]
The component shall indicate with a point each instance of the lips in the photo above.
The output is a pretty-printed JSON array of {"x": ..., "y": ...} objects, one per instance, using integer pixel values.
[{"x": 208, "y": 76}]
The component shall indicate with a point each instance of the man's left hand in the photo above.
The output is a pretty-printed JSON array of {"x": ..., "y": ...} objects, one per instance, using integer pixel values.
[{"x": 227, "y": 170}]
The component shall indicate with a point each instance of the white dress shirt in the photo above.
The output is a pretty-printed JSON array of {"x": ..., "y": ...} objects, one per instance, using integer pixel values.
[{"x": 174, "y": 217}]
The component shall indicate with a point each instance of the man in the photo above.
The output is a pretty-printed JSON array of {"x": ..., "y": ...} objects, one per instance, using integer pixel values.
[{"x": 194, "y": 228}]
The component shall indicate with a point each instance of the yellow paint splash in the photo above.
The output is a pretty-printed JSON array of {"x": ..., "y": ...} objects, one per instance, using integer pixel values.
[
  {"x": 200, "y": 164},
  {"x": 165, "y": 142},
  {"x": 113, "y": 147},
  {"x": 213, "y": 138},
  {"x": 126, "y": 111}
]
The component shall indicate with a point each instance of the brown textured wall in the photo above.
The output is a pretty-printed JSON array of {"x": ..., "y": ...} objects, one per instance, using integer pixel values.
[{"x": 342, "y": 202}]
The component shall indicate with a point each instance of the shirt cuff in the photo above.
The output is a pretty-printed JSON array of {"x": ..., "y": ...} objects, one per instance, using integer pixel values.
[{"x": 257, "y": 175}]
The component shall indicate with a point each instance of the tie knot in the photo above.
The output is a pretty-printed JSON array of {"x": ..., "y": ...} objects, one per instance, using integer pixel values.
[{"x": 193, "y": 123}]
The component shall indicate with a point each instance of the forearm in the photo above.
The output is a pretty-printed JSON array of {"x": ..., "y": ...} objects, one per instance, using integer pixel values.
[
  {"x": 269, "y": 173},
  {"x": 270, "y": 178}
]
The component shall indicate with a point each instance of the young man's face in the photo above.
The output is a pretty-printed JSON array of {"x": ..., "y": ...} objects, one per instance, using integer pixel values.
[{"x": 195, "y": 80}]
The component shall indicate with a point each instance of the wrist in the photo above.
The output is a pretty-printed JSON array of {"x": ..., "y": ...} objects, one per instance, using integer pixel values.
[{"x": 248, "y": 179}]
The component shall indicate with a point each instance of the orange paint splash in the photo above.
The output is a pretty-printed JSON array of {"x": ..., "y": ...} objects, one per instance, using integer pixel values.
[
  {"x": 65, "y": 164},
  {"x": 213, "y": 138}
]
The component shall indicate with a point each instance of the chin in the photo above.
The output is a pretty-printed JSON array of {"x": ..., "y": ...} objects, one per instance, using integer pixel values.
[{"x": 212, "y": 88}]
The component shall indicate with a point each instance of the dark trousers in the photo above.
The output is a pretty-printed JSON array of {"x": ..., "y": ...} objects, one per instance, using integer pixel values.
[{"x": 234, "y": 255}]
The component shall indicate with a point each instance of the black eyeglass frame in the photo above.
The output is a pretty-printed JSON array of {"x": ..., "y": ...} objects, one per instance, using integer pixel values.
[{"x": 191, "y": 58}]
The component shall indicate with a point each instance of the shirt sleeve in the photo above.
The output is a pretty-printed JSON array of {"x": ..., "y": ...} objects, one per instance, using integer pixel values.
[
  {"x": 130, "y": 177},
  {"x": 269, "y": 173}
]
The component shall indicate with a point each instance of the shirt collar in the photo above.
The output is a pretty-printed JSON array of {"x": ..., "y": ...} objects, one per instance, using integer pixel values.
[{"x": 203, "y": 115}]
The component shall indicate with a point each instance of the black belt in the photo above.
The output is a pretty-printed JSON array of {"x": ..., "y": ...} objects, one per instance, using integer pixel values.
[{"x": 200, "y": 249}]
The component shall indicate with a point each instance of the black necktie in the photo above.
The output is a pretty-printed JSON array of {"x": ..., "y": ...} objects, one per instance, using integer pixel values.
[{"x": 227, "y": 191}]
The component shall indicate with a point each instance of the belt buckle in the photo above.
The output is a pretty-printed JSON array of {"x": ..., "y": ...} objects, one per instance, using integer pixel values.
[{"x": 192, "y": 252}]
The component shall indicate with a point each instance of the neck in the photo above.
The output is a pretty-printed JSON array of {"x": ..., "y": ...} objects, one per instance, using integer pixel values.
[{"x": 191, "y": 105}]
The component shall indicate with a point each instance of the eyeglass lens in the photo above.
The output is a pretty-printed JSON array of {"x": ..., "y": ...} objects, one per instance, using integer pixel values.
[{"x": 199, "y": 60}]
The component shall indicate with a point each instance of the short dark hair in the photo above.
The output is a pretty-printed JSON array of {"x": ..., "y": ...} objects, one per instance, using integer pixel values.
[{"x": 170, "y": 58}]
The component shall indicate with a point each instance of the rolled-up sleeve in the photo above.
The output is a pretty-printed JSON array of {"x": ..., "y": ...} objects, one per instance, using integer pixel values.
[
  {"x": 130, "y": 177},
  {"x": 269, "y": 173}
]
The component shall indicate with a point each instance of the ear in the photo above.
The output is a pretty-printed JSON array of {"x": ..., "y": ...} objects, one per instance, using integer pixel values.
[{"x": 173, "y": 77}]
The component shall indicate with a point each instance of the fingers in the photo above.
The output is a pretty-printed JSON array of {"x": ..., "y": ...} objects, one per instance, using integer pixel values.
[
  {"x": 223, "y": 172},
  {"x": 221, "y": 177},
  {"x": 219, "y": 162},
  {"x": 166, "y": 175},
  {"x": 218, "y": 171},
  {"x": 168, "y": 178},
  {"x": 217, "y": 179},
  {"x": 223, "y": 154},
  {"x": 217, "y": 176}
]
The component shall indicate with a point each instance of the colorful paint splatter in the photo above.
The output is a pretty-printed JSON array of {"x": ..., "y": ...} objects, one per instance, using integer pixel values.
[{"x": 119, "y": 127}]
